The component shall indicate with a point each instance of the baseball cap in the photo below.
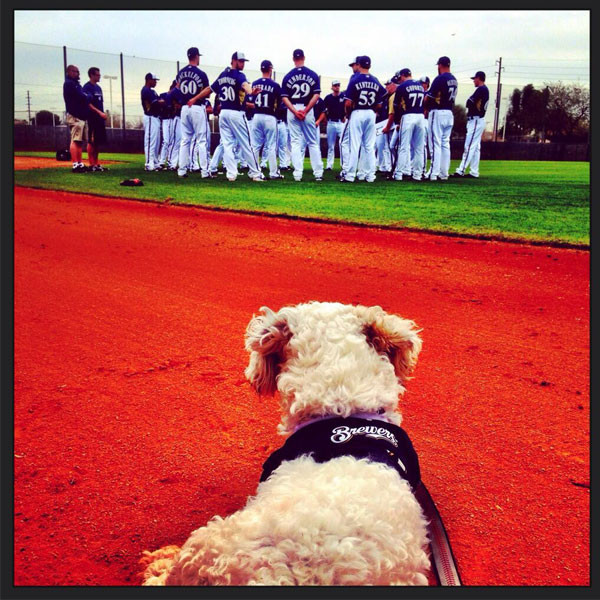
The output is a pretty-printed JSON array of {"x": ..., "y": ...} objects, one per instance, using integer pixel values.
[
  {"x": 151, "y": 76},
  {"x": 444, "y": 61},
  {"x": 396, "y": 77},
  {"x": 336, "y": 82},
  {"x": 424, "y": 79},
  {"x": 354, "y": 62},
  {"x": 479, "y": 75},
  {"x": 238, "y": 56},
  {"x": 193, "y": 51},
  {"x": 265, "y": 65},
  {"x": 405, "y": 73},
  {"x": 298, "y": 53},
  {"x": 364, "y": 62}
]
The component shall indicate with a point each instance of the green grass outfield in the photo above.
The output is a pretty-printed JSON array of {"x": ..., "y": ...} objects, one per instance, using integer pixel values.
[{"x": 530, "y": 201}]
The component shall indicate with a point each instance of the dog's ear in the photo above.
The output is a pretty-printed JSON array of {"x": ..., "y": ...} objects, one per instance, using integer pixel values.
[
  {"x": 266, "y": 338},
  {"x": 394, "y": 337}
]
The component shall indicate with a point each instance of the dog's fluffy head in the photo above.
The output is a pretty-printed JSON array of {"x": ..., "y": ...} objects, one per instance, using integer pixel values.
[{"x": 331, "y": 359}]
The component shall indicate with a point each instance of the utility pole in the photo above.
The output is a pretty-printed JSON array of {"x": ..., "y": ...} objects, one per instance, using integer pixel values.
[
  {"x": 498, "y": 92},
  {"x": 110, "y": 80},
  {"x": 28, "y": 108}
]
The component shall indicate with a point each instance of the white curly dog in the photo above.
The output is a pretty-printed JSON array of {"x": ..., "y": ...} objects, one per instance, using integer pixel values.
[{"x": 341, "y": 521}]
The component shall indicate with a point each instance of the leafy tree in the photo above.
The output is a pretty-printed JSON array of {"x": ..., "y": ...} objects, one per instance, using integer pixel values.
[
  {"x": 459, "y": 129},
  {"x": 45, "y": 117}
]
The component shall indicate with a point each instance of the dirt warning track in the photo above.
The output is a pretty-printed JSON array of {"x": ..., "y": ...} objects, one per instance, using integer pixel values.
[{"x": 134, "y": 424}]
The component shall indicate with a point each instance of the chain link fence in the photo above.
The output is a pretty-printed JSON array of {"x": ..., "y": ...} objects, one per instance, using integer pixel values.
[{"x": 40, "y": 74}]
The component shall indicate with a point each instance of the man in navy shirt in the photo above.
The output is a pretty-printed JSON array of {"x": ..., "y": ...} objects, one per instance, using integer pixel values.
[
  {"x": 364, "y": 97},
  {"x": 408, "y": 106},
  {"x": 335, "y": 115},
  {"x": 77, "y": 108},
  {"x": 264, "y": 125},
  {"x": 231, "y": 88},
  {"x": 96, "y": 119},
  {"x": 152, "y": 107},
  {"x": 300, "y": 91},
  {"x": 194, "y": 132},
  {"x": 439, "y": 100},
  {"x": 476, "y": 107}
]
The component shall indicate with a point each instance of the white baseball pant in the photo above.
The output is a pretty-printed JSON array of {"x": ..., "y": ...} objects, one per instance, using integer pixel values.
[
  {"x": 345, "y": 153},
  {"x": 264, "y": 136},
  {"x": 173, "y": 148},
  {"x": 193, "y": 138},
  {"x": 151, "y": 141},
  {"x": 234, "y": 130},
  {"x": 410, "y": 150},
  {"x": 472, "y": 151},
  {"x": 440, "y": 128},
  {"x": 362, "y": 140},
  {"x": 304, "y": 133},
  {"x": 167, "y": 134},
  {"x": 283, "y": 144},
  {"x": 335, "y": 129},
  {"x": 382, "y": 147}
]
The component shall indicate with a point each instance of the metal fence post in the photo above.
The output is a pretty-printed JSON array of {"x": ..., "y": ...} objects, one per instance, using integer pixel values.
[
  {"x": 65, "y": 59},
  {"x": 122, "y": 94}
]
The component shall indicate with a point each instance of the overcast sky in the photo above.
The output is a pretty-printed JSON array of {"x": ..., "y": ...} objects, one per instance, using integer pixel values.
[
  {"x": 535, "y": 46},
  {"x": 330, "y": 39}
]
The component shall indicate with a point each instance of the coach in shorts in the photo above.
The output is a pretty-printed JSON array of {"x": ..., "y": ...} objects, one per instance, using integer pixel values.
[{"x": 77, "y": 108}]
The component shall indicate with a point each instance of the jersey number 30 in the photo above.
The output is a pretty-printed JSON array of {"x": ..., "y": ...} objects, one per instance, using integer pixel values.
[{"x": 227, "y": 94}]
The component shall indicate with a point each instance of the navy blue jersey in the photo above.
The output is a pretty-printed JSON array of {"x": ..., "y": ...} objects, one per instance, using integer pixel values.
[
  {"x": 384, "y": 111},
  {"x": 334, "y": 107},
  {"x": 150, "y": 101},
  {"x": 176, "y": 100},
  {"x": 94, "y": 91},
  {"x": 319, "y": 107},
  {"x": 300, "y": 85},
  {"x": 228, "y": 87},
  {"x": 166, "y": 109},
  {"x": 192, "y": 81},
  {"x": 365, "y": 91},
  {"x": 269, "y": 97},
  {"x": 281, "y": 112},
  {"x": 443, "y": 91},
  {"x": 408, "y": 99},
  {"x": 477, "y": 104},
  {"x": 76, "y": 100}
]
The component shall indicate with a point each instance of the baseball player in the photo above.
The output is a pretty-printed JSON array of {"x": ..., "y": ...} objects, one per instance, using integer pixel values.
[
  {"x": 476, "y": 106},
  {"x": 196, "y": 148},
  {"x": 264, "y": 128},
  {"x": 390, "y": 129},
  {"x": 439, "y": 100},
  {"x": 192, "y": 81},
  {"x": 382, "y": 140},
  {"x": 408, "y": 105},
  {"x": 426, "y": 148},
  {"x": 77, "y": 108},
  {"x": 96, "y": 119},
  {"x": 300, "y": 90},
  {"x": 364, "y": 97},
  {"x": 231, "y": 88},
  {"x": 152, "y": 106},
  {"x": 336, "y": 117},
  {"x": 283, "y": 137},
  {"x": 167, "y": 119}
]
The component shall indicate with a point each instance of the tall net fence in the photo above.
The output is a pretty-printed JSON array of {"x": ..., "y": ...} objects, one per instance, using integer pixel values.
[{"x": 40, "y": 74}]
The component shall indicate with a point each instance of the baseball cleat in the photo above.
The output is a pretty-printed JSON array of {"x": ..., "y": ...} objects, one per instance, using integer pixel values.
[
  {"x": 318, "y": 179},
  {"x": 259, "y": 178},
  {"x": 469, "y": 176},
  {"x": 278, "y": 176},
  {"x": 182, "y": 176}
]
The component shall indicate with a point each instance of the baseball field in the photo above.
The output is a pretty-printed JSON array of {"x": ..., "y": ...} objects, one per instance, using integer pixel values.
[{"x": 134, "y": 424}]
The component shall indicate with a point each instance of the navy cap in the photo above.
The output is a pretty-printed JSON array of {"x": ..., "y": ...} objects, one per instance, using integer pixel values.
[
  {"x": 424, "y": 79},
  {"x": 355, "y": 62},
  {"x": 265, "y": 65},
  {"x": 238, "y": 56},
  {"x": 364, "y": 62},
  {"x": 298, "y": 53},
  {"x": 396, "y": 77},
  {"x": 193, "y": 51},
  {"x": 151, "y": 76},
  {"x": 479, "y": 75},
  {"x": 444, "y": 61},
  {"x": 405, "y": 73}
]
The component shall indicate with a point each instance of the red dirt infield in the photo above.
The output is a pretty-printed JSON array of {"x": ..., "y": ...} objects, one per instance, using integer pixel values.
[{"x": 134, "y": 423}]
